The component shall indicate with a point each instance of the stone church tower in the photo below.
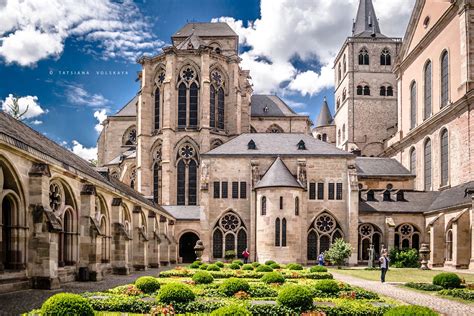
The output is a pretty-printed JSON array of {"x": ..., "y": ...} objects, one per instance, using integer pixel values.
[{"x": 365, "y": 86}]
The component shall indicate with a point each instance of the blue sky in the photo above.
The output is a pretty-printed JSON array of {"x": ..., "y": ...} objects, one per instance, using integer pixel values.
[{"x": 73, "y": 62}]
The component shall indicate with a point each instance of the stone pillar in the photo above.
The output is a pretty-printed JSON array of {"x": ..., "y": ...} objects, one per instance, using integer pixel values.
[
  {"x": 173, "y": 242},
  {"x": 352, "y": 235},
  {"x": 43, "y": 246},
  {"x": 164, "y": 243},
  {"x": 437, "y": 241},
  {"x": 461, "y": 240},
  {"x": 120, "y": 240},
  {"x": 140, "y": 240},
  {"x": 153, "y": 253}
]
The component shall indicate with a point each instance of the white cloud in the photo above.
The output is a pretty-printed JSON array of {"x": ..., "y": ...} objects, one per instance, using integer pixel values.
[
  {"x": 76, "y": 94},
  {"x": 84, "y": 152},
  {"x": 100, "y": 115},
  {"x": 313, "y": 30},
  {"x": 28, "y": 103},
  {"x": 33, "y": 30},
  {"x": 36, "y": 122}
]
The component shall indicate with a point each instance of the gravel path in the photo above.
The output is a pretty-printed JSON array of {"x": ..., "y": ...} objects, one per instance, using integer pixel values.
[
  {"x": 441, "y": 305},
  {"x": 19, "y": 302}
]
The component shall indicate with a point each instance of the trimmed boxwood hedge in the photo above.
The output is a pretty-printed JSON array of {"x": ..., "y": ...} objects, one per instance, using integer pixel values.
[
  {"x": 233, "y": 285},
  {"x": 247, "y": 267},
  {"x": 296, "y": 297},
  {"x": 424, "y": 286},
  {"x": 213, "y": 267},
  {"x": 118, "y": 303},
  {"x": 264, "y": 268},
  {"x": 318, "y": 269},
  {"x": 147, "y": 284},
  {"x": 294, "y": 266},
  {"x": 327, "y": 287},
  {"x": 273, "y": 277},
  {"x": 410, "y": 310},
  {"x": 255, "y": 264},
  {"x": 175, "y": 293},
  {"x": 275, "y": 266},
  {"x": 234, "y": 266},
  {"x": 239, "y": 262},
  {"x": 202, "y": 277},
  {"x": 464, "y": 294},
  {"x": 447, "y": 280},
  {"x": 231, "y": 310},
  {"x": 64, "y": 304},
  {"x": 220, "y": 264},
  {"x": 269, "y": 262}
]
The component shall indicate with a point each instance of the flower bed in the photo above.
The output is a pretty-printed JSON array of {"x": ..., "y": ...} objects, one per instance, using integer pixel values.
[{"x": 282, "y": 292}]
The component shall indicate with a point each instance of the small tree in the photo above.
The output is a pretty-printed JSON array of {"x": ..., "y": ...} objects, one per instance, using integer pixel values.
[
  {"x": 14, "y": 109},
  {"x": 339, "y": 252}
]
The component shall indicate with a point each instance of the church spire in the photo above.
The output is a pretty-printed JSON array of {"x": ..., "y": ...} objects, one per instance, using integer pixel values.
[
  {"x": 366, "y": 23},
  {"x": 325, "y": 117}
]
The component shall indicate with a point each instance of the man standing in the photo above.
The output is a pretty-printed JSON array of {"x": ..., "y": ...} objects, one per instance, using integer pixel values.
[
  {"x": 321, "y": 259},
  {"x": 384, "y": 260},
  {"x": 246, "y": 255}
]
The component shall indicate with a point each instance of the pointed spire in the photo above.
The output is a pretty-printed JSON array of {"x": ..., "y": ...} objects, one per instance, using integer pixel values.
[
  {"x": 325, "y": 117},
  {"x": 366, "y": 23}
]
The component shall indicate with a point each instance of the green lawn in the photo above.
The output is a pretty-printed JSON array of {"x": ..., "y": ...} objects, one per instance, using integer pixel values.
[{"x": 399, "y": 275}]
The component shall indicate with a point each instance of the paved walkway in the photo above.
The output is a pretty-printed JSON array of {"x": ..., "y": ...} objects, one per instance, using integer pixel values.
[
  {"x": 441, "y": 305},
  {"x": 19, "y": 302}
]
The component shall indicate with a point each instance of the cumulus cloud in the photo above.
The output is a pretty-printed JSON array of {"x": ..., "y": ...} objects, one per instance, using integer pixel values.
[
  {"x": 312, "y": 30},
  {"x": 36, "y": 122},
  {"x": 76, "y": 94},
  {"x": 84, "y": 152},
  {"x": 27, "y": 103},
  {"x": 100, "y": 115},
  {"x": 33, "y": 30}
]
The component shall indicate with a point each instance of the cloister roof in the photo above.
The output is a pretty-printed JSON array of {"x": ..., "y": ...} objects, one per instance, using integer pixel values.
[{"x": 278, "y": 175}]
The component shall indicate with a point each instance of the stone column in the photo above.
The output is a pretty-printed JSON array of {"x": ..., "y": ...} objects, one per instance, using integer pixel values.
[
  {"x": 120, "y": 240},
  {"x": 174, "y": 244},
  {"x": 140, "y": 241},
  {"x": 437, "y": 242},
  {"x": 153, "y": 253},
  {"x": 164, "y": 244},
  {"x": 461, "y": 240},
  {"x": 353, "y": 211},
  {"x": 389, "y": 233}
]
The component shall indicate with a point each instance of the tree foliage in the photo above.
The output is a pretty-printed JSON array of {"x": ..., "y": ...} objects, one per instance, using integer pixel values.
[{"x": 339, "y": 252}]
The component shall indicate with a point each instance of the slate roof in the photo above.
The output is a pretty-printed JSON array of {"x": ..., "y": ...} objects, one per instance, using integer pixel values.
[
  {"x": 24, "y": 137},
  {"x": 205, "y": 29},
  {"x": 276, "y": 144},
  {"x": 189, "y": 212},
  {"x": 269, "y": 105},
  {"x": 325, "y": 117},
  {"x": 366, "y": 23},
  {"x": 278, "y": 175},
  {"x": 453, "y": 196},
  {"x": 192, "y": 39},
  {"x": 128, "y": 154},
  {"x": 129, "y": 109},
  {"x": 379, "y": 167}
]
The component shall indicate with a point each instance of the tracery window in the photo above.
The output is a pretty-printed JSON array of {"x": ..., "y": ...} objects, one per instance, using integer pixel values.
[
  {"x": 427, "y": 90},
  {"x": 444, "y": 79},
  {"x": 158, "y": 98},
  {"x": 427, "y": 164},
  {"x": 156, "y": 170},
  {"x": 413, "y": 105},
  {"x": 102, "y": 218},
  {"x": 369, "y": 234},
  {"x": 217, "y": 101},
  {"x": 339, "y": 73},
  {"x": 274, "y": 128},
  {"x": 444, "y": 157},
  {"x": 344, "y": 64},
  {"x": 187, "y": 175},
  {"x": 363, "y": 57},
  {"x": 188, "y": 91},
  {"x": 130, "y": 136},
  {"x": 344, "y": 95},
  {"x": 322, "y": 232},
  {"x": 229, "y": 233},
  {"x": 385, "y": 58},
  {"x": 133, "y": 177},
  {"x": 449, "y": 242},
  {"x": 407, "y": 236}
]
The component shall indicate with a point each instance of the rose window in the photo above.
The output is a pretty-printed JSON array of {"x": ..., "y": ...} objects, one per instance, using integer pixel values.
[
  {"x": 406, "y": 230},
  {"x": 217, "y": 78},
  {"x": 325, "y": 223},
  {"x": 187, "y": 152},
  {"x": 132, "y": 136},
  {"x": 188, "y": 74},
  {"x": 230, "y": 222},
  {"x": 365, "y": 230},
  {"x": 161, "y": 78},
  {"x": 55, "y": 197}
]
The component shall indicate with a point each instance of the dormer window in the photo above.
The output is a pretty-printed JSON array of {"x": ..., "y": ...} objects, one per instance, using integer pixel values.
[
  {"x": 190, "y": 45},
  {"x": 371, "y": 196},
  {"x": 400, "y": 196},
  {"x": 301, "y": 145},
  {"x": 386, "y": 196},
  {"x": 251, "y": 145},
  {"x": 218, "y": 50},
  {"x": 265, "y": 109}
]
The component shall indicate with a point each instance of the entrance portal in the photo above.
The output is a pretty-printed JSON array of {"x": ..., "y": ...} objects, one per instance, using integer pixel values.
[{"x": 186, "y": 247}]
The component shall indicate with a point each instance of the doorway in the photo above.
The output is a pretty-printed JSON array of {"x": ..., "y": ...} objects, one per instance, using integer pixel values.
[{"x": 186, "y": 247}]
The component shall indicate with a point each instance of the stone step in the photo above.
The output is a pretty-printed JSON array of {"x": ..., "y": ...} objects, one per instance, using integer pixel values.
[{"x": 13, "y": 286}]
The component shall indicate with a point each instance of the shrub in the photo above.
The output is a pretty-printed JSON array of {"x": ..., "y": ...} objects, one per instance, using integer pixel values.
[
  {"x": 270, "y": 309},
  {"x": 127, "y": 289},
  {"x": 255, "y": 264},
  {"x": 339, "y": 252},
  {"x": 358, "y": 293},
  {"x": 460, "y": 293},
  {"x": 327, "y": 287},
  {"x": 275, "y": 266},
  {"x": 202, "y": 277},
  {"x": 213, "y": 267},
  {"x": 247, "y": 267},
  {"x": 231, "y": 310},
  {"x": 220, "y": 264},
  {"x": 233, "y": 285},
  {"x": 424, "y": 286},
  {"x": 175, "y": 293},
  {"x": 407, "y": 258},
  {"x": 273, "y": 277},
  {"x": 239, "y": 262},
  {"x": 194, "y": 308},
  {"x": 319, "y": 275},
  {"x": 294, "y": 266},
  {"x": 203, "y": 266},
  {"x": 147, "y": 284},
  {"x": 262, "y": 290},
  {"x": 318, "y": 269},
  {"x": 229, "y": 254},
  {"x": 234, "y": 266},
  {"x": 353, "y": 307},
  {"x": 410, "y": 310},
  {"x": 119, "y": 303},
  {"x": 447, "y": 280},
  {"x": 296, "y": 297},
  {"x": 198, "y": 262},
  {"x": 194, "y": 266},
  {"x": 269, "y": 262},
  {"x": 264, "y": 268},
  {"x": 67, "y": 304}
]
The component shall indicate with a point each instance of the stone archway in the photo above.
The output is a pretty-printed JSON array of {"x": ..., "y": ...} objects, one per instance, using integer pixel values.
[{"x": 187, "y": 241}]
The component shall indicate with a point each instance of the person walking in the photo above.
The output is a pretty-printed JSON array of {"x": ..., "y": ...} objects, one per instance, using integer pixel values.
[
  {"x": 321, "y": 259},
  {"x": 246, "y": 255},
  {"x": 384, "y": 260}
]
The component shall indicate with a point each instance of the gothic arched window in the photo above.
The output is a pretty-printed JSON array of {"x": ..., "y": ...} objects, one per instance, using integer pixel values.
[
  {"x": 344, "y": 64},
  {"x": 187, "y": 175},
  {"x": 360, "y": 90},
  {"x": 274, "y": 128},
  {"x": 323, "y": 231},
  {"x": 339, "y": 73},
  {"x": 263, "y": 206},
  {"x": 444, "y": 157},
  {"x": 389, "y": 91},
  {"x": 363, "y": 57},
  {"x": 413, "y": 105},
  {"x": 366, "y": 90},
  {"x": 277, "y": 232},
  {"x": 157, "y": 179},
  {"x": 217, "y": 101},
  {"x": 444, "y": 78},
  {"x": 130, "y": 136},
  {"x": 407, "y": 236},
  {"x": 188, "y": 98},
  {"x": 427, "y": 90},
  {"x": 344, "y": 95},
  {"x": 427, "y": 164},
  {"x": 413, "y": 161},
  {"x": 297, "y": 206},
  {"x": 229, "y": 233},
  {"x": 158, "y": 97},
  {"x": 383, "y": 91},
  {"x": 369, "y": 234},
  {"x": 385, "y": 58},
  {"x": 283, "y": 232}
]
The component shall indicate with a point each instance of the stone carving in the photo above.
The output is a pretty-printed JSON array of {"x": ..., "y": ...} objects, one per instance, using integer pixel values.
[
  {"x": 39, "y": 169},
  {"x": 204, "y": 176},
  {"x": 255, "y": 174},
  {"x": 302, "y": 173}
]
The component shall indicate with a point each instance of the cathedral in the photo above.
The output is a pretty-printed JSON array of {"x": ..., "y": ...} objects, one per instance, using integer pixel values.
[{"x": 196, "y": 155}]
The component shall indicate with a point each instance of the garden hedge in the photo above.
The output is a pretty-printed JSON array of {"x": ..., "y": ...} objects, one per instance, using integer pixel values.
[{"x": 64, "y": 304}]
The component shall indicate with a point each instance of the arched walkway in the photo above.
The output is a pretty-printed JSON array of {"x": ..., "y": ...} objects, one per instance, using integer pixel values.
[{"x": 187, "y": 241}]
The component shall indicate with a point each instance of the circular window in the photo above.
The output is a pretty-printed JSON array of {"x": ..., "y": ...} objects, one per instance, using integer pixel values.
[
  {"x": 230, "y": 222},
  {"x": 406, "y": 229},
  {"x": 55, "y": 197},
  {"x": 426, "y": 22},
  {"x": 325, "y": 223},
  {"x": 365, "y": 230},
  {"x": 187, "y": 152},
  {"x": 389, "y": 186}
]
